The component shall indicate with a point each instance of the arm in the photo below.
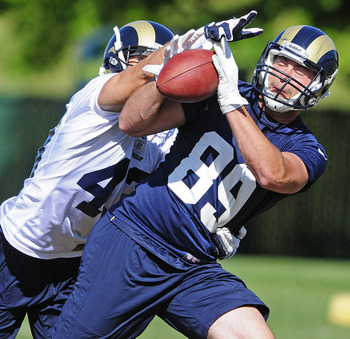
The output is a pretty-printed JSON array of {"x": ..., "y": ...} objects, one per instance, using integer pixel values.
[
  {"x": 147, "y": 112},
  {"x": 282, "y": 172},
  {"x": 118, "y": 89}
]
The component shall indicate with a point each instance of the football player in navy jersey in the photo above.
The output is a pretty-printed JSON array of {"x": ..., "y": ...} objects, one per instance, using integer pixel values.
[{"x": 236, "y": 155}]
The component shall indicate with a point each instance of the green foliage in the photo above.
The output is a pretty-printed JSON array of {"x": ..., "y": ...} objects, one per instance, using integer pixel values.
[
  {"x": 41, "y": 35},
  {"x": 45, "y": 28}
]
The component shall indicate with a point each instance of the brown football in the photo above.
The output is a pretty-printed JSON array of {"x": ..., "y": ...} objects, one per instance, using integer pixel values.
[{"x": 189, "y": 76}]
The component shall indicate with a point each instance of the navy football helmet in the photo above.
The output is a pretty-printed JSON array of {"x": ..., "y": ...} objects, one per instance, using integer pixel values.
[
  {"x": 309, "y": 47},
  {"x": 136, "y": 38}
]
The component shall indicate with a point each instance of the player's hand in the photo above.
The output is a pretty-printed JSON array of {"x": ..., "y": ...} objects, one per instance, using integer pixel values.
[
  {"x": 233, "y": 29},
  {"x": 199, "y": 40},
  {"x": 226, "y": 242},
  {"x": 193, "y": 39},
  {"x": 228, "y": 94}
]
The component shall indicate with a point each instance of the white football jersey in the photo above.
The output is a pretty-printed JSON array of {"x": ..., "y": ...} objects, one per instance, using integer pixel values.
[{"x": 86, "y": 165}]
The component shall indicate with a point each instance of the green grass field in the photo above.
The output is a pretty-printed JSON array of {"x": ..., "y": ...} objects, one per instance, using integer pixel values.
[{"x": 298, "y": 292}]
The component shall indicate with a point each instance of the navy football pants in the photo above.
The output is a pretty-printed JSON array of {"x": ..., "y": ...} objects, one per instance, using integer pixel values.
[
  {"x": 34, "y": 287},
  {"x": 121, "y": 287}
]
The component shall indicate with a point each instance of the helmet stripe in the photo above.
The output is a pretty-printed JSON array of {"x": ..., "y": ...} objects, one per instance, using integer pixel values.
[
  {"x": 289, "y": 34},
  {"x": 145, "y": 32},
  {"x": 319, "y": 47},
  {"x": 306, "y": 36}
]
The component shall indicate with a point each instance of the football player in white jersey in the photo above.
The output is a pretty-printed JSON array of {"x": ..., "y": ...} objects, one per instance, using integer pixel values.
[{"x": 85, "y": 166}]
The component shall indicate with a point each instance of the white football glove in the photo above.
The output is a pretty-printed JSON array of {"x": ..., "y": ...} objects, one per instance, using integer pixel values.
[
  {"x": 228, "y": 94},
  {"x": 233, "y": 29},
  {"x": 193, "y": 39},
  {"x": 226, "y": 242}
]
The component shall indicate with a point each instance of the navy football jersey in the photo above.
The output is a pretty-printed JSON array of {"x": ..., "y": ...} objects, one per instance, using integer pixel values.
[{"x": 205, "y": 184}]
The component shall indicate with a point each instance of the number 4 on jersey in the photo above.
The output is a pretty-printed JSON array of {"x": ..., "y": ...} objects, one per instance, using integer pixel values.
[
  {"x": 89, "y": 182},
  {"x": 116, "y": 173}
]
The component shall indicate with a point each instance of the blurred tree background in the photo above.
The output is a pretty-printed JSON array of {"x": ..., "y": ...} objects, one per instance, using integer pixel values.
[
  {"x": 50, "y": 48},
  {"x": 44, "y": 41}
]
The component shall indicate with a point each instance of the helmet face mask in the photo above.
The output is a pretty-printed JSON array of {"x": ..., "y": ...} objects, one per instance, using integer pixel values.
[
  {"x": 307, "y": 46},
  {"x": 120, "y": 60},
  {"x": 138, "y": 38}
]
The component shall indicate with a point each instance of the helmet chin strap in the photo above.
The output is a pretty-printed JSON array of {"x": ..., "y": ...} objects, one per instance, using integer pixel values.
[
  {"x": 278, "y": 106},
  {"x": 272, "y": 104}
]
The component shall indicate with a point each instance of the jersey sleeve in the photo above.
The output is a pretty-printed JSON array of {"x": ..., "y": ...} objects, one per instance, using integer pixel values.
[
  {"x": 85, "y": 100},
  {"x": 313, "y": 155},
  {"x": 98, "y": 84}
]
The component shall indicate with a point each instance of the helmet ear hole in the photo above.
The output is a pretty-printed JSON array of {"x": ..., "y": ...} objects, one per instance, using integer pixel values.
[{"x": 135, "y": 37}]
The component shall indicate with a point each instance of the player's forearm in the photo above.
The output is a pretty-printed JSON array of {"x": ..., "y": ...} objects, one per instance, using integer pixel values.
[
  {"x": 274, "y": 170},
  {"x": 119, "y": 88},
  {"x": 141, "y": 110}
]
